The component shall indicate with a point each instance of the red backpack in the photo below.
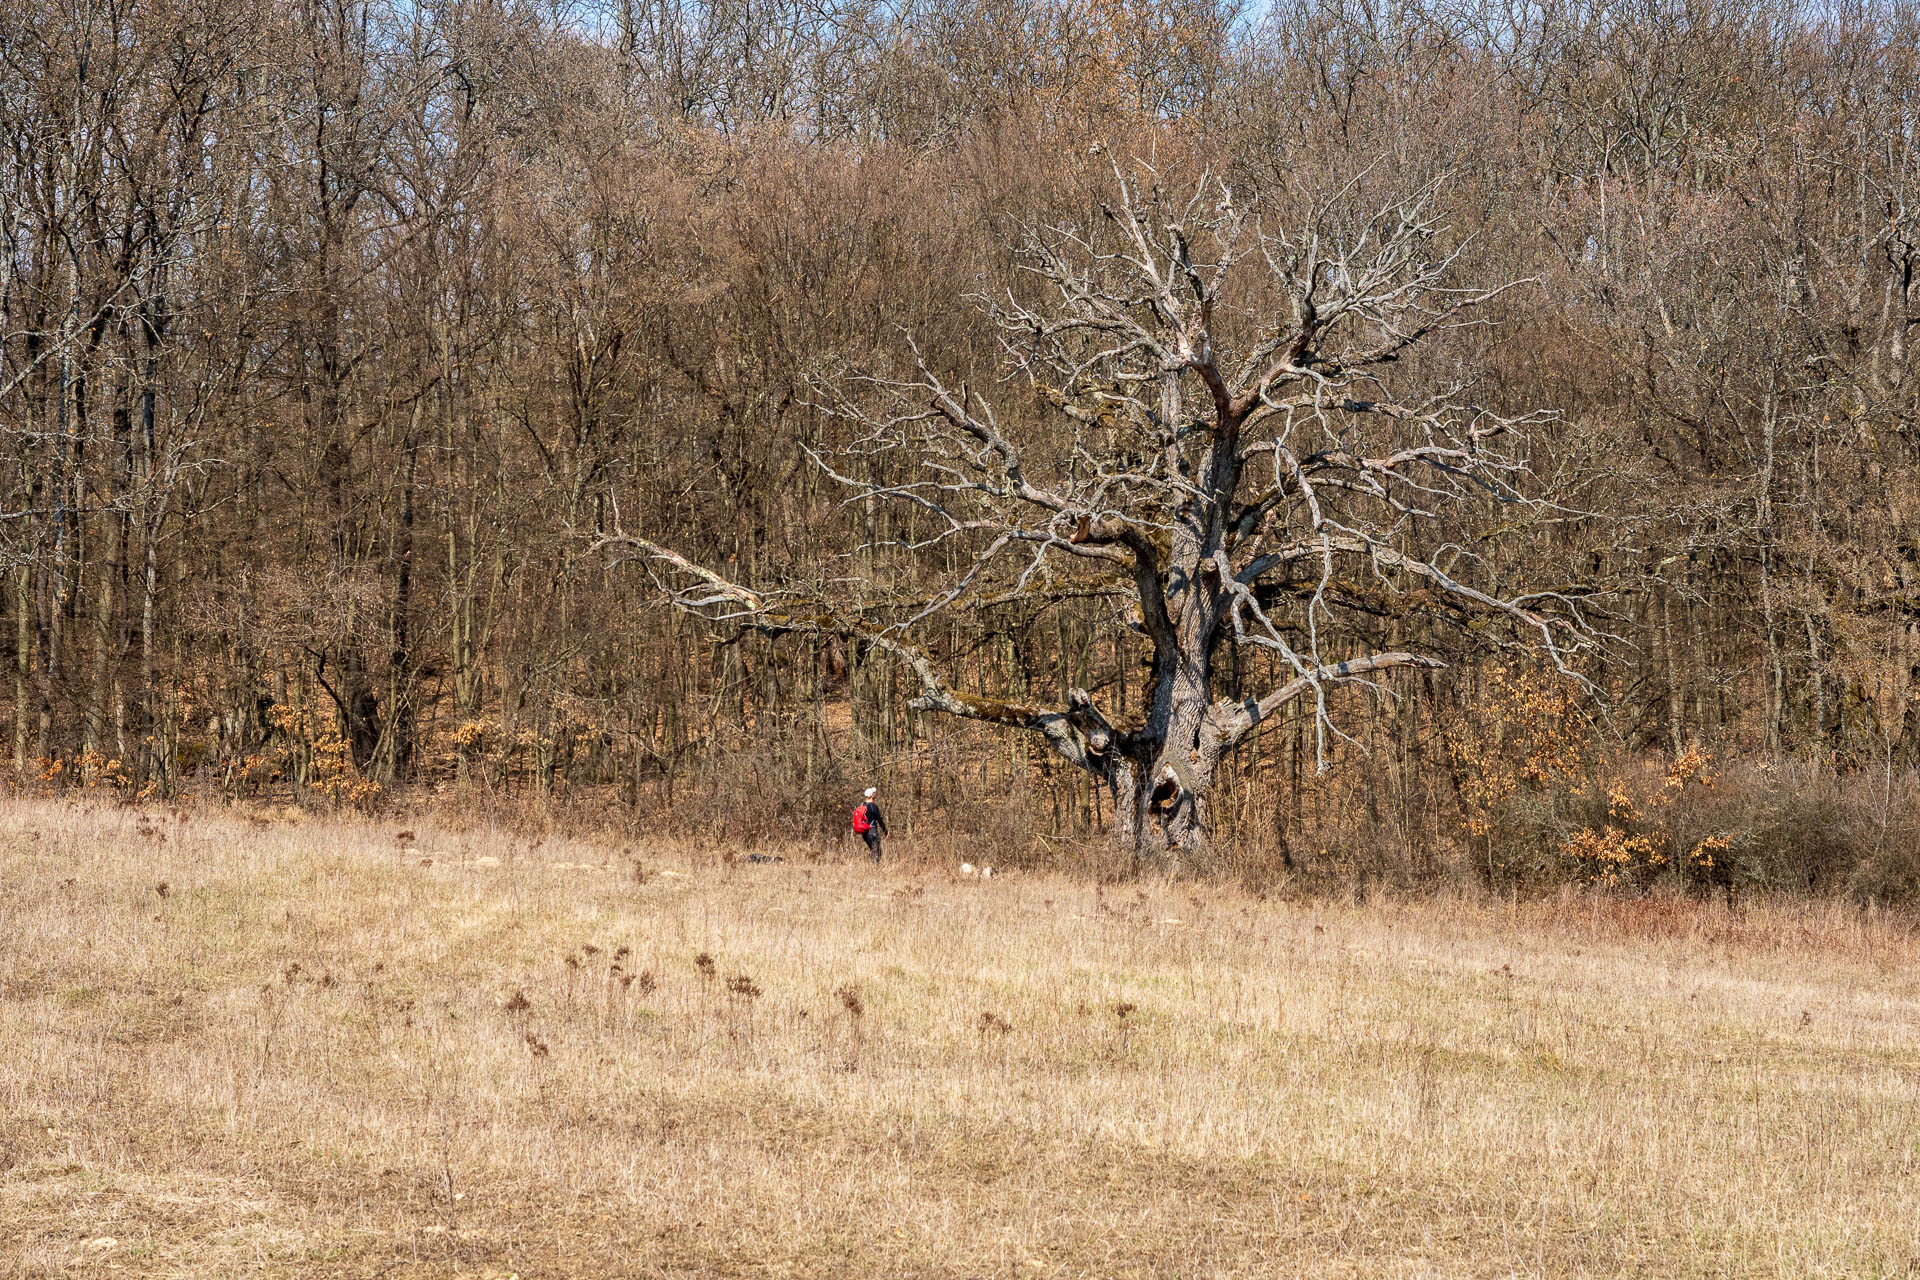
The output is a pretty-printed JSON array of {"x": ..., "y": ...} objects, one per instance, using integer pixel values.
[{"x": 860, "y": 819}]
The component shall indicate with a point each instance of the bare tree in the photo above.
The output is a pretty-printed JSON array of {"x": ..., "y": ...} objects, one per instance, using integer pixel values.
[{"x": 1235, "y": 468}]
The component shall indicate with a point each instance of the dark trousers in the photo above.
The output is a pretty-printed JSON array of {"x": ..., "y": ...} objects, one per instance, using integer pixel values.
[{"x": 872, "y": 837}]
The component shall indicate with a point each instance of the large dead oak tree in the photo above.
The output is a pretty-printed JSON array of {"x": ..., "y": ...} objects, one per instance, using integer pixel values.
[{"x": 1237, "y": 467}]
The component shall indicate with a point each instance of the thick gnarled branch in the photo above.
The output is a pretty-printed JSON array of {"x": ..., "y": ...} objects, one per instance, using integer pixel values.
[
  {"x": 1237, "y": 721},
  {"x": 1078, "y": 733}
]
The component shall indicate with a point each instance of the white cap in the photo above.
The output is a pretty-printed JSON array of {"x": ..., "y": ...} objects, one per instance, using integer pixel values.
[{"x": 869, "y": 793}]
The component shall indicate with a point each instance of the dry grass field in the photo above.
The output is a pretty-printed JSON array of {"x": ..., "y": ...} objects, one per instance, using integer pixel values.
[{"x": 235, "y": 1046}]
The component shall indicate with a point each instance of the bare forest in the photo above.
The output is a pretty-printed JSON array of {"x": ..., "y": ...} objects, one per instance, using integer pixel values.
[{"x": 1443, "y": 441}]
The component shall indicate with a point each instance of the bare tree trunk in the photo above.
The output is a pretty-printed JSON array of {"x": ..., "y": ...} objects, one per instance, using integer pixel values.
[
  {"x": 1129, "y": 807},
  {"x": 105, "y": 646},
  {"x": 399, "y": 735},
  {"x": 22, "y": 667},
  {"x": 152, "y": 739},
  {"x": 1776, "y": 665},
  {"x": 1676, "y": 693}
]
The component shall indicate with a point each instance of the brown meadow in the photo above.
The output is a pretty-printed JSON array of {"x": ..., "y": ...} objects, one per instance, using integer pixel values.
[{"x": 231, "y": 1047}]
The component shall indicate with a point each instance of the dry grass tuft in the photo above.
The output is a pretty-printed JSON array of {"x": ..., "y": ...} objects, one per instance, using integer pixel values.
[{"x": 320, "y": 1059}]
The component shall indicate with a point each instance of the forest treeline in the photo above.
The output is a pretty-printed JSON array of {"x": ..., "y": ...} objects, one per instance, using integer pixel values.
[{"x": 337, "y": 336}]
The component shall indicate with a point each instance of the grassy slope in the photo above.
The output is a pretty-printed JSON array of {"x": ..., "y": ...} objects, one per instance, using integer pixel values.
[{"x": 1187, "y": 1083}]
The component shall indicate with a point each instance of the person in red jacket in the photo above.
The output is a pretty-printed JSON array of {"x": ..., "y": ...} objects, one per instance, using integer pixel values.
[{"x": 869, "y": 825}]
